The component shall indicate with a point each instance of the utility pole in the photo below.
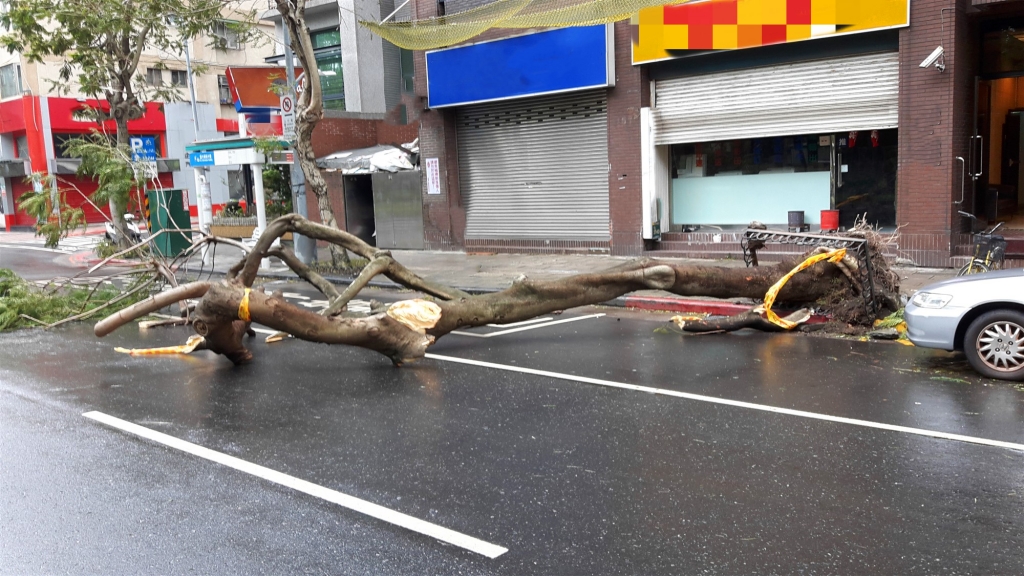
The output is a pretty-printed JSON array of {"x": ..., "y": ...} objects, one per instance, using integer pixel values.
[
  {"x": 204, "y": 197},
  {"x": 305, "y": 247}
]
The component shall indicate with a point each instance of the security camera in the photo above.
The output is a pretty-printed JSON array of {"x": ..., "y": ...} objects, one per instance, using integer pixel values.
[{"x": 932, "y": 58}]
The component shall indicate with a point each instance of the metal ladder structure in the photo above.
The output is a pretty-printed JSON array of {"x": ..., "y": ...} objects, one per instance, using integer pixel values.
[{"x": 754, "y": 239}]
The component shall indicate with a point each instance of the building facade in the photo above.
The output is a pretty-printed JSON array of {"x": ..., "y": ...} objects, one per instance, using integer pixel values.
[
  {"x": 734, "y": 118},
  {"x": 36, "y": 118},
  {"x": 367, "y": 88}
]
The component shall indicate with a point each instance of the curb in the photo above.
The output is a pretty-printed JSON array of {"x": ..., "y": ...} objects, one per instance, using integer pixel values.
[
  {"x": 669, "y": 304},
  {"x": 87, "y": 258},
  {"x": 689, "y": 306},
  {"x": 649, "y": 303}
]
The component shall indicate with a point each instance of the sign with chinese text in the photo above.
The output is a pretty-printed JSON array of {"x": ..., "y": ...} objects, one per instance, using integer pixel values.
[{"x": 433, "y": 176}]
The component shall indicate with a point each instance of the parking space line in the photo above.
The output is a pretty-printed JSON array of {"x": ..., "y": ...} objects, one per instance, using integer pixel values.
[
  {"x": 735, "y": 403},
  {"x": 524, "y": 328},
  {"x": 351, "y": 502},
  {"x": 523, "y": 323}
]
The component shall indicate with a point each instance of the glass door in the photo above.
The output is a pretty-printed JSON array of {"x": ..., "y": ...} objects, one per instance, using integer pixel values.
[{"x": 978, "y": 154}]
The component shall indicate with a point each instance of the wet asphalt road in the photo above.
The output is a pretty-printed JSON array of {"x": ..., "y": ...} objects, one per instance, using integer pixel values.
[
  {"x": 35, "y": 262},
  {"x": 571, "y": 477}
]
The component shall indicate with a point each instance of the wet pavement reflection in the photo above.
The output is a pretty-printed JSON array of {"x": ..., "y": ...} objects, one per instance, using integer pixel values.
[{"x": 581, "y": 479}]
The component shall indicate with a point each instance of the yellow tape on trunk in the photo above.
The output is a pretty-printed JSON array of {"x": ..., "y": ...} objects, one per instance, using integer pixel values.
[
  {"x": 832, "y": 256},
  {"x": 243, "y": 306}
]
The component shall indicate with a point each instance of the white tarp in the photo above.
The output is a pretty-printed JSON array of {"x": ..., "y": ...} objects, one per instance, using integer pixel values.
[{"x": 381, "y": 158}]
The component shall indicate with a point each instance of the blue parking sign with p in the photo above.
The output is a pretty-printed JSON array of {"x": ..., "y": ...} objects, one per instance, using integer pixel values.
[{"x": 143, "y": 148}]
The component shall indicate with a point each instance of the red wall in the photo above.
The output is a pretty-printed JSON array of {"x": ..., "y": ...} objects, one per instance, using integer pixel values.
[{"x": 23, "y": 117}]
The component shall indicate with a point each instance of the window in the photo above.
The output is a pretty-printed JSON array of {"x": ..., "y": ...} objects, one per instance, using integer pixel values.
[
  {"x": 179, "y": 78},
  {"x": 732, "y": 182},
  {"x": 326, "y": 38},
  {"x": 407, "y": 75},
  {"x": 331, "y": 80},
  {"x": 4, "y": 8},
  {"x": 225, "y": 36},
  {"x": 225, "y": 91},
  {"x": 21, "y": 145},
  {"x": 154, "y": 76},
  {"x": 10, "y": 81},
  {"x": 61, "y": 140}
]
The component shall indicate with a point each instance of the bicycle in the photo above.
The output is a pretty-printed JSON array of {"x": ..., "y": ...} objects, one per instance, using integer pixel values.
[{"x": 989, "y": 250}]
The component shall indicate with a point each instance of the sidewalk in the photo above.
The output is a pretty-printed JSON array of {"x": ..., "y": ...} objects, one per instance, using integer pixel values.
[{"x": 481, "y": 273}]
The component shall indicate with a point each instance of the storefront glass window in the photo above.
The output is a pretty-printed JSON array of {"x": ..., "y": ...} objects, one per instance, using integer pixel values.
[
  {"x": 731, "y": 183},
  {"x": 331, "y": 80},
  {"x": 1003, "y": 51}
]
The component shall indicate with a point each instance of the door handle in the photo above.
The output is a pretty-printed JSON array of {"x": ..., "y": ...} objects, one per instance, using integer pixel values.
[
  {"x": 963, "y": 176},
  {"x": 970, "y": 156},
  {"x": 981, "y": 157}
]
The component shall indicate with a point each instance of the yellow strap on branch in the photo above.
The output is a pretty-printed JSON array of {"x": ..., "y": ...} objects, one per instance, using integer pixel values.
[
  {"x": 185, "y": 348},
  {"x": 832, "y": 256},
  {"x": 243, "y": 306}
]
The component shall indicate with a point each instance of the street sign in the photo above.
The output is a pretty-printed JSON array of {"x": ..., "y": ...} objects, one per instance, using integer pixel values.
[
  {"x": 288, "y": 116},
  {"x": 281, "y": 157},
  {"x": 143, "y": 148},
  {"x": 197, "y": 159}
]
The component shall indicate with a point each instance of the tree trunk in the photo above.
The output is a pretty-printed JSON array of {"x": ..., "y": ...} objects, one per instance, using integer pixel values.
[
  {"x": 118, "y": 206},
  {"x": 403, "y": 333},
  {"x": 309, "y": 110}
]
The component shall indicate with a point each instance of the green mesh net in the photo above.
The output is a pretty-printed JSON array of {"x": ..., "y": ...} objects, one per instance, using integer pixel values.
[{"x": 455, "y": 28}]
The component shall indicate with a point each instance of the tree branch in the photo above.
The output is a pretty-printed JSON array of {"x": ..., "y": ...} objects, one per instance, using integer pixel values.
[
  {"x": 305, "y": 272},
  {"x": 151, "y": 304},
  {"x": 375, "y": 267}
]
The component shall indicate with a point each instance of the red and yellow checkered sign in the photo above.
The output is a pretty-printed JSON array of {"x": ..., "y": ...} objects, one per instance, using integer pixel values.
[{"x": 732, "y": 24}]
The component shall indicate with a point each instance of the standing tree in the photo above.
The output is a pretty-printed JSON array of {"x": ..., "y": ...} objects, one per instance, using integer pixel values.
[
  {"x": 99, "y": 44},
  {"x": 309, "y": 109}
]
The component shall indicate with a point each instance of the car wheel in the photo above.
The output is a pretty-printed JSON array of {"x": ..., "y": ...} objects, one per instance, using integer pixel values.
[
  {"x": 994, "y": 344},
  {"x": 975, "y": 267}
]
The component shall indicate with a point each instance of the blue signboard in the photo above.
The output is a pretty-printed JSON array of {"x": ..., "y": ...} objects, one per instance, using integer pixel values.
[
  {"x": 143, "y": 148},
  {"x": 545, "y": 62},
  {"x": 201, "y": 159}
]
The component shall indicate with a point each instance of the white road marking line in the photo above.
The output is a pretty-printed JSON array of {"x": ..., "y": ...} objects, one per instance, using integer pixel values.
[
  {"x": 294, "y": 295},
  {"x": 523, "y": 328},
  {"x": 351, "y": 502},
  {"x": 262, "y": 330},
  {"x": 314, "y": 304},
  {"x": 38, "y": 248},
  {"x": 523, "y": 323},
  {"x": 735, "y": 403}
]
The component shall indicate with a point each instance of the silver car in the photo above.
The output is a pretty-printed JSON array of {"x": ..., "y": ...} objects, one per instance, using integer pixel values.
[{"x": 982, "y": 314}]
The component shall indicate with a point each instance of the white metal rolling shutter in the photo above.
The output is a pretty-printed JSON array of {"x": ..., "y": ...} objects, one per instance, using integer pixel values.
[
  {"x": 835, "y": 95},
  {"x": 536, "y": 168}
]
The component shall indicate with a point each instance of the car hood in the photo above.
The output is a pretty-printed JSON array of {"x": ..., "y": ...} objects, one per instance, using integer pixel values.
[
  {"x": 974, "y": 278},
  {"x": 1000, "y": 285}
]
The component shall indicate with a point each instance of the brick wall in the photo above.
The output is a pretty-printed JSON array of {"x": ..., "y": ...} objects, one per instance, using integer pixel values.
[
  {"x": 631, "y": 92},
  {"x": 935, "y": 122}
]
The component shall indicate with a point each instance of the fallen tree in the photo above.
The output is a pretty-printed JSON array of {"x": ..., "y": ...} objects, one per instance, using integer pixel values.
[{"x": 406, "y": 329}]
